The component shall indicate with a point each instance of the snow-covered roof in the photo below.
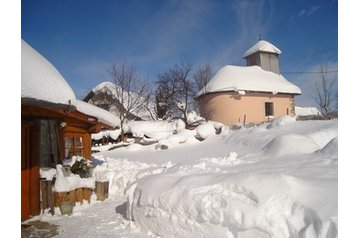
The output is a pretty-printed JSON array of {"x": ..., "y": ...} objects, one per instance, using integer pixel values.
[
  {"x": 306, "y": 111},
  {"x": 105, "y": 86},
  {"x": 110, "y": 88},
  {"x": 264, "y": 46},
  {"x": 102, "y": 115},
  {"x": 40, "y": 80},
  {"x": 248, "y": 78}
]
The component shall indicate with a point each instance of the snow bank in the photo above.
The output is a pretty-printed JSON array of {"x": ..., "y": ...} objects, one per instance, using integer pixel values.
[
  {"x": 200, "y": 205},
  {"x": 331, "y": 149},
  {"x": 271, "y": 184},
  {"x": 120, "y": 173},
  {"x": 291, "y": 144},
  {"x": 282, "y": 121},
  {"x": 152, "y": 129},
  {"x": 243, "y": 183}
]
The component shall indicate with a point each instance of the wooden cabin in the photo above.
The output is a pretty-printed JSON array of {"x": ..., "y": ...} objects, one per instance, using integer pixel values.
[{"x": 54, "y": 125}]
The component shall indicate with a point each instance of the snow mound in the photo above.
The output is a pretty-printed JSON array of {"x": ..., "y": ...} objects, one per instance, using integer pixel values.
[
  {"x": 282, "y": 121},
  {"x": 205, "y": 131},
  {"x": 153, "y": 129},
  {"x": 331, "y": 149},
  {"x": 74, "y": 181},
  {"x": 120, "y": 173},
  {"x": 230, "y": 159},
  {"x": 290, "y": 144},
  {"x": 220, "y": 210}
]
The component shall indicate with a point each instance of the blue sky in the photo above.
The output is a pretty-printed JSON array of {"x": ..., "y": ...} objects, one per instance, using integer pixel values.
[{"x": 82, "y": 38}]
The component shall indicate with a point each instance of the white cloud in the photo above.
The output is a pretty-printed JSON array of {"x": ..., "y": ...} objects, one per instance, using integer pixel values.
[
  {"x": 309, "y": 11},
  {"x": 252, "y": 18}
]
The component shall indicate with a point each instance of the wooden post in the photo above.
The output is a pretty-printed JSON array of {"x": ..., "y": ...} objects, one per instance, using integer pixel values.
[
  {"x": 101, "y": 190},
  {"x": 72, "y": 196},
  {"x": 59, "y": 197},
  {"x": 244, "y": 119},
  {"x": 78, "y": 195},
  {"x": 47, "y": 195},
  {"x": 86, "y": 194},
  {"x": 64, "y": 197}
]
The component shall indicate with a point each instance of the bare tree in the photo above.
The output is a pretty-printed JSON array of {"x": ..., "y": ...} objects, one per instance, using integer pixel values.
[
  {"x": 324, "y": 92},
  {"x": 164, "y": 96},
  {"x": 202, "y": 76},
  {"x": 130, "y": 91},
  {"x": 175, "y": 91}
]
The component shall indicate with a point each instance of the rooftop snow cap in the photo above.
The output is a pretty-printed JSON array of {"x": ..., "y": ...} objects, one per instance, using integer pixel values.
[
  {"x": 248, "y": 78},
  {"x": 40, "y": 80},
  {"x": 262, "y": 46}
]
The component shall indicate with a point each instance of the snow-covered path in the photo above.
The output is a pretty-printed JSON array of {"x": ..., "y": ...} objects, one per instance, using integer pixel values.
[{"x": 99, "y": 219}]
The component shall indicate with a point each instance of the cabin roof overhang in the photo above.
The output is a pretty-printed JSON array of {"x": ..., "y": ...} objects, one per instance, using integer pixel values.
[{"x": 32, "y": 108}]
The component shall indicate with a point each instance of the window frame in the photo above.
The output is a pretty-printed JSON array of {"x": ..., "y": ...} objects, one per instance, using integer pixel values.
[
  {"x": 73, "y": 147},
  {"x": 269, "y": 109}
]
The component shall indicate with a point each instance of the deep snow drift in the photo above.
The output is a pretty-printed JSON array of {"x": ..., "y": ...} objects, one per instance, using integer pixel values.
[{"x": 273, "y": 180}]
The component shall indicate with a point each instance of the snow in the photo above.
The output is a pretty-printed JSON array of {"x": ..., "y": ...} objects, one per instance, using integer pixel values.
[
  {"x": 102, "y": 115},
  {"x": 306, "y": 111},
  {"x": 277, "y": 179},
  {"x": 248, "y": 78},
  {"x": 153, "y": 129},
  {"x": 47, "y": 173},
  {"x": 114, "y": 134},
  {"x": 40, "y": 80},
  {"x": 74, "y": 181},
  {"x": 264, "y": 46},
  {"x": 205, "y": 131}
]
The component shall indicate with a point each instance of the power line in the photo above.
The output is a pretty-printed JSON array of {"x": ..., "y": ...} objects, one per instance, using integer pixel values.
[
  {"x": 311, "y": 72},
  {"x": 308, "y": 55}
]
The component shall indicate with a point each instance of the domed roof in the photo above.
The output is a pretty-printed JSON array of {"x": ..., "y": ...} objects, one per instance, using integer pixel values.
[
  {"x": 248, "y": 78},
  {"x": 40, "y": 80},
  {"x": 263, "y": 46}
]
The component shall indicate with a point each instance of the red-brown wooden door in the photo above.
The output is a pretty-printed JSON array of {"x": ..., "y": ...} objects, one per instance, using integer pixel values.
[
  {"x": 25, "y": 173},
  {"x": 30, "y": 185}
]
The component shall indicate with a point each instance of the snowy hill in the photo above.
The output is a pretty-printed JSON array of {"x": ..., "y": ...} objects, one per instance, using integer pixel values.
[{"x": 273, "y": 180}]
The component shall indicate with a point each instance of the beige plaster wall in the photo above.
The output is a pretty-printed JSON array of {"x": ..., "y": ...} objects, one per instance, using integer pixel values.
[{"x": 232, "y": 108}]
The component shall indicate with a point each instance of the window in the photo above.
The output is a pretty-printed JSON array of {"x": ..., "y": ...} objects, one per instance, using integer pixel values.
[
  {"x": 268, "y": 108},
  {"x": 48, "y": 151},
  {"x": 73, "y": 146}
]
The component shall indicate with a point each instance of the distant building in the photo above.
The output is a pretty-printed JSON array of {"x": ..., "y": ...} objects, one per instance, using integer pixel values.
[
  {"x": 249, "y": 94},
  {"x": 104, "y": 96}
]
